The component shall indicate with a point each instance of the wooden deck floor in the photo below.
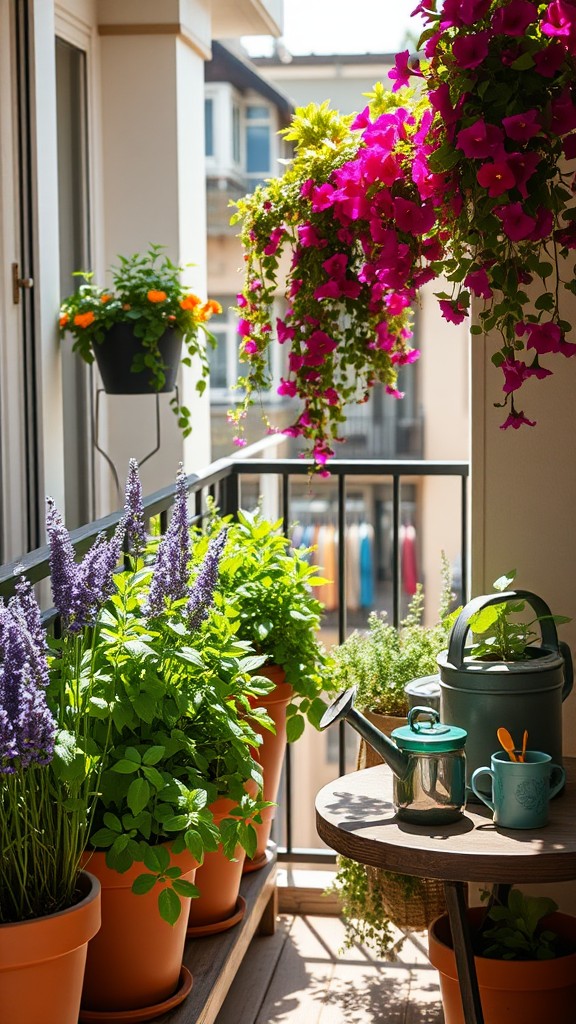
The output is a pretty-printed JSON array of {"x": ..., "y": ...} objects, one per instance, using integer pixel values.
[{"x": 298, "y": 976}]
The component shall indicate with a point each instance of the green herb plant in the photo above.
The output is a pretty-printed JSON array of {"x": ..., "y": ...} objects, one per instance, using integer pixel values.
[
  {"x": 498, "y": 637},
  {"x": 513, "y": 931}
]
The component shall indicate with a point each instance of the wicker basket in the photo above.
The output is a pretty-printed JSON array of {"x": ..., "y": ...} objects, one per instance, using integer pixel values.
[{"x": 409, "y": 903}]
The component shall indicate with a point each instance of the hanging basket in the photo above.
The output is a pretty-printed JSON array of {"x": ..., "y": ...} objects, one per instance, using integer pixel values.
[
  {"x": 409, "y": 903},
  {"x": 115, "y": 354}
]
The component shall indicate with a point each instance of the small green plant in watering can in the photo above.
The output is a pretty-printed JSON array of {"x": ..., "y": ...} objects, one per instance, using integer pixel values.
[{"x": 497, "y": 636}]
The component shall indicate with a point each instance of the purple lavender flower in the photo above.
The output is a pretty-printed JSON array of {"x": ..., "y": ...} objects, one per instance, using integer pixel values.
[
  {"x": 63, "y": 569},
  {"x": 94, "y": 582},
  {"x": 25, "y": 608},
  {"x": 202, "y": 593},
  {"x": 80, "y": 590},
  {"x": 27, "y": 728},
  {"x": 135, "y": 526},
  {"x": 170, "y": 579}
]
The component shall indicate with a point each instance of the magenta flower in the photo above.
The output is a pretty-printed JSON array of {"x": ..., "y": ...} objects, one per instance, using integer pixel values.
[
  {"x": 513, "y": 19},
  {"x": 522, "y": 127},
  {"x": 276, "y": 236},
  {"x": 283, "y": 331},
  {"x": 321, "y": 197},
  {"x": 515, "y": 223},
  {"x": 250, "y": 347},
  {"x": 559, "y": 20},
  {"x": 478, "y": 283},
  {"x": 523, "y": 166},
  {"x": 401, "y": 72},
  {"x": 496, "y": 177},
  {"x": 549, "y": 60},
  {"x": 516, "y": 420},
  {"x": 470, "y": 51},
  {"x": 563, "y": 118},
  {"x": 515, "y": 373},
  {"x": 452, "y": 311},
  {"x": 480, "y": 140},
  {"x": 410, "y": 217},
  {"x": 544, "y": 337},
  {"x": 287, "y": 387},
  {"x": 308, "y": 236},
  {"x": 544, "y": 225}
]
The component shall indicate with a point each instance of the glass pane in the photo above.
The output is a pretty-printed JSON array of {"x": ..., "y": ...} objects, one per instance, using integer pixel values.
[
  {"x": 257, "y": 149},
  {"x": 261, "y": 113},
  {"x": 236, "y": 134},
  {"x": 218, "y": 360},
  {"x": 209, "y": 127}
]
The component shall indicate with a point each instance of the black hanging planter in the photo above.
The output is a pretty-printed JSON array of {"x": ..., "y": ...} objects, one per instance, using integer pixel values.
[{"x": 114, "y": 357}]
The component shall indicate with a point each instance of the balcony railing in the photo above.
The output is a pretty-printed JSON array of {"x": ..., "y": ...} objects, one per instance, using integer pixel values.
[{"x": 238, "y": 482}]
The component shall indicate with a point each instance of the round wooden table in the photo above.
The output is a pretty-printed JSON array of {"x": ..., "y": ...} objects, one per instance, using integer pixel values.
[{"x": 355, "y": 817}]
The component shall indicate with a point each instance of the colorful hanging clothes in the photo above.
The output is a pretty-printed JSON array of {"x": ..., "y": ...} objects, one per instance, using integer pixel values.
[{"x": 408, "y": 559}]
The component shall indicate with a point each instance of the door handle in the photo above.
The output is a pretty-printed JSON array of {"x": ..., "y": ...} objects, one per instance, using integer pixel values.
[{"x": 18, "y": 283}]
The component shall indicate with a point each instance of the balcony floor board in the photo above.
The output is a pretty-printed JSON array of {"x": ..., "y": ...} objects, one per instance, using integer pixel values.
[{"x": 298, "y": 976}]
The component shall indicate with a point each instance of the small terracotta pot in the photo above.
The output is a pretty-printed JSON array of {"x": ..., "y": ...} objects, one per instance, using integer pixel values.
[
  {"x": 135, "y": 959},
  {"x": 522, "y": 991},
  {"x": 270, "y": 754},
  {"x": 42, "y": 961},
  {"x": 218, "y": 880}
]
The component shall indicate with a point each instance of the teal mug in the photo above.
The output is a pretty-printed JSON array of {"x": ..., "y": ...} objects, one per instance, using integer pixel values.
[{"x": 521, "y": 791}]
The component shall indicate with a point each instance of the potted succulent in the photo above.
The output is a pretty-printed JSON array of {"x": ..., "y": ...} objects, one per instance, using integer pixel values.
[
  {"x": 49, "y": 907},
  {"x": 156, "y": 661},
  {"x": 525, "y": 959},
  {"x": 380, "y": 662},
  {"x": 266, "y": 590},
  {"x": 504, "y": 679},
  {"x": 135, "y": 329}
]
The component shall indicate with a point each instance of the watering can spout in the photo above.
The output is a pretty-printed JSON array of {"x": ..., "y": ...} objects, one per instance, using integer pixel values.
[{"x": 343, "y": 708}]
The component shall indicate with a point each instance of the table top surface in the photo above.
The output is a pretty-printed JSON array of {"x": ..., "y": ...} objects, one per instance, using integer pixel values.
[{"x": 355, "y": 817}]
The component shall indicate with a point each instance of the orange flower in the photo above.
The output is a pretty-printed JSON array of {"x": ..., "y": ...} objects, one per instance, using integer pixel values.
[
  {"x": 105, "y": 298},
  {"x": 190, "y": 301},
  {"x": 154, "y": 296},
  {"x": 171, "y": 316},
  {"x": 126, "y": 306},
  {"x": 84, "y": 319},
  {"x": 213, "y": 306},
  {"x": 64, "y": 320}
]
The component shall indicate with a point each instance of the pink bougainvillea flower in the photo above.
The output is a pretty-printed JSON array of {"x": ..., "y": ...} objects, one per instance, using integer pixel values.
[
  {"x": 566, "y": 237},
  {"x": 250, "y": 347},
  {"x": 567, "y": 348},
  {"x": 496, "y": 177},
  {"x": 284, "y": 332},
  {"x": 516, "y": 420},
  {"x": 513, "y": 19},
  {"x": 452, "y": 311},
  {"x": 470, "y": 51},
  {"x": 535, "y": 370},
  {"x": 522, "y": 127},
  {"x": 563, "y": 118},
  {"x": 401, "y": 72},
  {"x": 331, "y": 396},
  {"x": 308, "y": 237},
  {"x": 241, "y": 301},
  {"x": 515, "y": 223},
  {"x": 410, "y": 217},
  {"x": 244, "y": 328},
  {"x": 287, "y": 387},
  {"x": 321, "y": 197},
  {"x": 544, "y": 337},
  {"x": 523, "y": 166},
  {"x": 543, "y": 226},
  {"x": 478, "y": 283},
  {"x": 549, "y": 60},
  {"x": 559, "y": 19},
  {"x": 480, "y": 140},
  {"x": 396, "y": 302},
  {"x": 276, "y": 236},
  {"x": 515, "y": 373},
  {"x": 362, "y": 120}
]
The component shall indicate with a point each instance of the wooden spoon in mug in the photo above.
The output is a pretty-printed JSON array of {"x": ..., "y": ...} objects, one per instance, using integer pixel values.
[
  {"x": 507, "y": 742},
  {"x": 524, "y": 742}
]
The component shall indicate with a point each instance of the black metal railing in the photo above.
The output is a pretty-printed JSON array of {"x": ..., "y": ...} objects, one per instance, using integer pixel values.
[{"x": 236, "y": 481}]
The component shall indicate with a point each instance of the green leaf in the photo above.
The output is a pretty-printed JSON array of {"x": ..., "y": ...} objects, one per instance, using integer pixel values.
[
  {"x": 195, "y": 845},
  {"x": 294, "y": 728},
  {"x": 156, "y": 858},
  {"x": 143, "y": 884},
  {"x": 169, "y": 906},
  {"x": 124, "y": 767},
  {"x": 177, "y": 823},
  {"x": 483, "y": 620},
  {"x": 504, "y": 582},
  {"x": 138, "y": 795},
  {"x": 153, "y": 755},
  {"x": 185, "y": 888}
]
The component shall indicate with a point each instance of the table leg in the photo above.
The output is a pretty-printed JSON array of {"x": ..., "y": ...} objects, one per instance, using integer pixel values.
[{"x": 456, "y": 906}]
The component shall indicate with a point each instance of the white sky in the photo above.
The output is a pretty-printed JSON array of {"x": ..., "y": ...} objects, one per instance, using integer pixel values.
[{"x": 342, "y": 26}]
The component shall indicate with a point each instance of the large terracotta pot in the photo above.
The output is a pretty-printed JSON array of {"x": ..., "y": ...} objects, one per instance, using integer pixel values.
[
  {"x": 524, "y": 992},
  {"x": 42, "y": 961},
  {"x": 135, "y": 960},
  {"x": 219, "y": 905},
  {"x": 270, "y": 754}
]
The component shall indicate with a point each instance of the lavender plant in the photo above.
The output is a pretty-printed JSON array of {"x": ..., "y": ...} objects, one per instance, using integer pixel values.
[{"x": 47, "y": 774}]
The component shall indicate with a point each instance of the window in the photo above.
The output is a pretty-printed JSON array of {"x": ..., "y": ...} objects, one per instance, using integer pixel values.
[
  {"x": 236, "y": 146},
  {"x": 258, "y": 135},
  {"x": 209, "y": 126},
  {"x": 225, "y": 366}
]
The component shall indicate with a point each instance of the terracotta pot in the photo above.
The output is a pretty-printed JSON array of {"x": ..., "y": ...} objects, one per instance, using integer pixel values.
[
  {"x": 270, "y": 754},
  {"x": 527, "y": 992},
  {"x": 218, "y": 907},
  {"x": 42, "y": 961},
  {"x": 135, "y": 959}
]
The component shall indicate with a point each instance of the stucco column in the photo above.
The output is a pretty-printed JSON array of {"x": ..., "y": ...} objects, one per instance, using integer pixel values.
[{"x": 152, "y": 74}]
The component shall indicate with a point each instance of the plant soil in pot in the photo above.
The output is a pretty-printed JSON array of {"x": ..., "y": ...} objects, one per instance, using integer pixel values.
[
  {"x": 42, "y": 961},
  {"x": 523, "y": 991},
  {"x": 135, "y": 961}
]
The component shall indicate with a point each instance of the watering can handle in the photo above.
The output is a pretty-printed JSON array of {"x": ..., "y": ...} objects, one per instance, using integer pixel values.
[{"x": 547, "y": 626}]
